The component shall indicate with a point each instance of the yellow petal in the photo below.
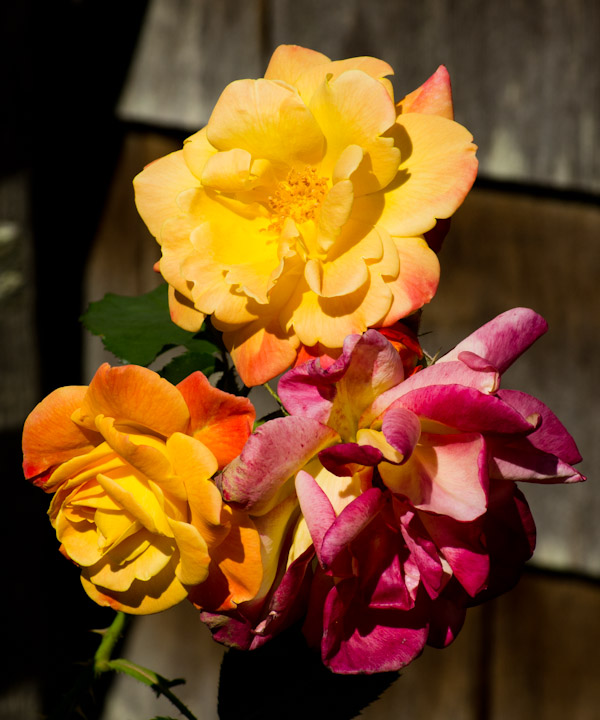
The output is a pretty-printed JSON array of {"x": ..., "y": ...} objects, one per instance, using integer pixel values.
[
  {"x": 132, "y": 494},
  {"x": 157, "y": 187},
  {"x": 437, "y": 170},
  {"x": 345, "y": 269},
  {"x": 355, "y": 109},
  {"x": 192, "y": 567},
  {"x": 197, "y": 151},
  {"x": 329, "y": 320},
  {"x": 183, "y": 312},
  {"x": 308, "y": 82},
  {"x": 80, "y": 540},
  {"x": 334, "y": 213},
  {"x": 228, "y": 171},
  {"x": 288, "y": 62},
  {"x": 376, "y": 439},
  {"x": 157, "y": 594},
  {"x": 269, "y": 120}
]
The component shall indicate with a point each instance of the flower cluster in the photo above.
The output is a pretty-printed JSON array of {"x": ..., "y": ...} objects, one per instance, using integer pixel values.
[
  {"x": 304, "y": 219},
  {"x": 400, "y": 488}
]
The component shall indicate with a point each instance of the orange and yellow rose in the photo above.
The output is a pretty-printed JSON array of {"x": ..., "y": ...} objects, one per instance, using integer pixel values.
[
  {"x": 296, "y": 216},
  {"x": 129, "y": 460}
]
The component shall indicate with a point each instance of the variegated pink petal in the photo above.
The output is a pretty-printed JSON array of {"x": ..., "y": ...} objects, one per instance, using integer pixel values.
[
  {"x": 551, "y": 436},
  {"x": 273, "y": 454},
  {"x": 502, "y": 340},
  {"x": 466, "y": 409},
  {"x": 316, "y": 508},
  {"x": 357, "y": 640},
  {"x": 349, "y": 523},
  {"x": 401, "y": 429},
  {"x": 343, "y": 459}
]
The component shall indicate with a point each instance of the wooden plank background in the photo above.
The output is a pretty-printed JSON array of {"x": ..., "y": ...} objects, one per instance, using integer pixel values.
[
  {"x": 526, "y": 82},
  {"x": 525, "y": 74}
]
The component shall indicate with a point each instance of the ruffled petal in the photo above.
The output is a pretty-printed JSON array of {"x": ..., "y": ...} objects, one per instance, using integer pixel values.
[{"x": 269, "y": 120}]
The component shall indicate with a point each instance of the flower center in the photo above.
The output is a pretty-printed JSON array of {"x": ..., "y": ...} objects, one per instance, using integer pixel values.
[{"x": 298, "y": 197}]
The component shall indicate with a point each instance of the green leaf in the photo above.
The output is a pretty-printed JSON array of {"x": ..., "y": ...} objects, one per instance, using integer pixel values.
[
  {"x": 184, "y": 365},
  {"x": 136, "y": 329},
  {"x": 198, "y": 345}
]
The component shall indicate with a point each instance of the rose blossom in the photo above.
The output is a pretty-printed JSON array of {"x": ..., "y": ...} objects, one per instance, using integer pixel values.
[
  {"x": 129, "y": 460},
  {"x": 297, "y": 215},
  {"x": 390, "y": 499}
]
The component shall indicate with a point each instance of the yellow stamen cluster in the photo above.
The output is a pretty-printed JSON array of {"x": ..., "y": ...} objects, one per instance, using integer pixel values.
[{"x": 298, "y": 197}]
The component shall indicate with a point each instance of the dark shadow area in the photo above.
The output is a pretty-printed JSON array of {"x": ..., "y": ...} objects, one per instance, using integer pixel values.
[
  {"x": 64, "y": 63},
  {"x": 286, "y": 678}
]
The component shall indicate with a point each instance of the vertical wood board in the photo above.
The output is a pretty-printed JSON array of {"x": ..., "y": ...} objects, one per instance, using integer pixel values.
[
  {"x": 526, "y": 76},
  {"x": 505, "y": 250}
]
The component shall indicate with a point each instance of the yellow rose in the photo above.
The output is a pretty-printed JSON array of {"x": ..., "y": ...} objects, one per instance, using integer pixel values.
[
  {"x": 296, "y": 216},
  {"x": 130, "y": 460}
]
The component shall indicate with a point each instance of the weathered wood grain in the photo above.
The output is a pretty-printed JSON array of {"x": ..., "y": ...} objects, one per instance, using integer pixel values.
[
  {"x": 439, "y": 685},
  {"x": 545, "y": 653},
  {"x": 123, "y": 254},
  {"x": 19, "y": 367},
  {"x": 526, "y": 76},
  {"x": 506, "y": 250},
  {"x": 188, "y": 51}
]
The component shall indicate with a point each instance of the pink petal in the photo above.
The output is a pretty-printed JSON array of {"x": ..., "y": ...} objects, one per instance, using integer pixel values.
[
  {"x": 349, "y": 523},
  {"x": 448, "y": 373},
  {"x": 462, "y": 545},
  {"x": 434, "y": 97},
  {"x": 447, "y": 615},
  {"x": 357, "y": 639},
  {"x": 309, "y": 389},
  {"x": 343, "y": 459},
  {"x": 551, "y": 436},
  {"x": 466, "y": 409},
  {"x": 316, "y": 508},
  {"x": 502, "y": 340},
  {"x": 447, "y": 475},
  {"x": 402, "y": 429},
  {"x": 423, "y": 551},
  {"x": 273, "y": 453}
]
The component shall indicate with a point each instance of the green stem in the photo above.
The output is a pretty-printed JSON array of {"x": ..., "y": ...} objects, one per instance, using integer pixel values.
[
  {"x": 104, "y": 663},
  {"x": 277, "y": 398},
  {"x": 110, "y": 637}
]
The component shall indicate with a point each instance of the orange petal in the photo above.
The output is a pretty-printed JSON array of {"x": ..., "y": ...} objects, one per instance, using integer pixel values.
[
  {"x": 136, "y": 396},
  {"x": 220, "y": 420},
  {"x": 434, "y": 97},
  {"x": 235, "y": 573},
  {"x": 418, "y": 279},
  {"x": 50, "y": 437},
  {"x": 260, "y": 351}
]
